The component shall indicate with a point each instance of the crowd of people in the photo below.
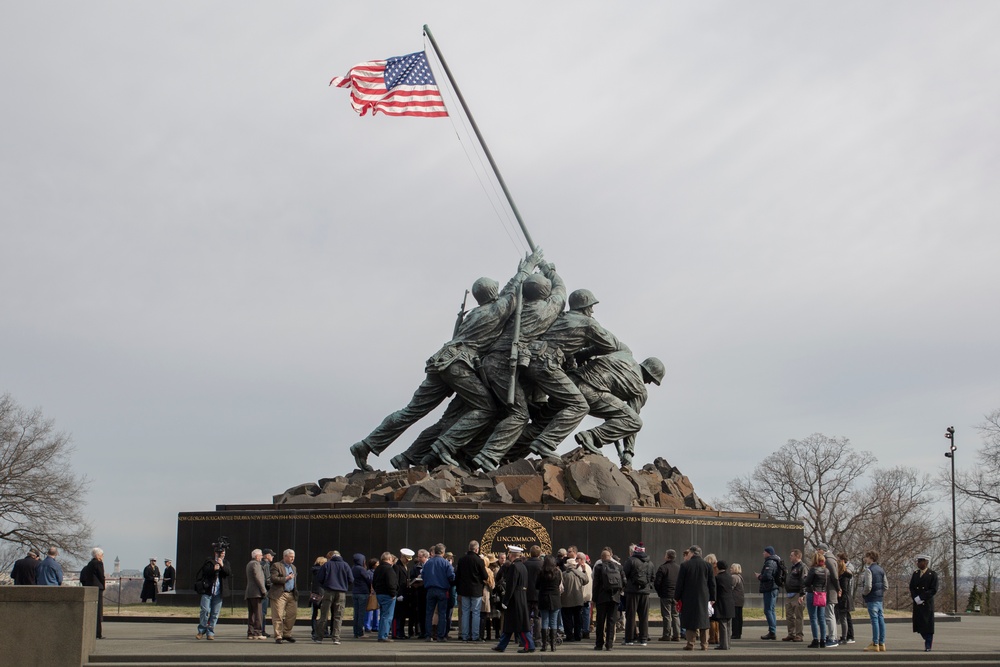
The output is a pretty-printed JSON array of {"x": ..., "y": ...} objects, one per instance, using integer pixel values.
[{"x": 541, "y": 601}]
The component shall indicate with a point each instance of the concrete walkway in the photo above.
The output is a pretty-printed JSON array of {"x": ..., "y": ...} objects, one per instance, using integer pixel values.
[{"x": 973, "y": 641}]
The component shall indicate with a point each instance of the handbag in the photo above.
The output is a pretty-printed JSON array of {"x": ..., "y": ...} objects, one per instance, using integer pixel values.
[
  {"x": 819, "y": 599},
  {"x": 372, "y": 602}
]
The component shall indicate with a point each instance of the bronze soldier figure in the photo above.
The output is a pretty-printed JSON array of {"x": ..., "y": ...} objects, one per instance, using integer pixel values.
[{"x": 452, "y": 369}]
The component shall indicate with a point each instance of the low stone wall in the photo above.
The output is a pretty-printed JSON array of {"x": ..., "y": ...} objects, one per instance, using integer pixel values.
[{"x": 54, "y": 626}]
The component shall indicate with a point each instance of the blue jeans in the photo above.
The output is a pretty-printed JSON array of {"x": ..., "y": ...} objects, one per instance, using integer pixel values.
[
  {"x": 437, "y": 598},
  {"x": 470, "y": 607},
  {"x": 817, "y": 619},
  {"x": 878, "y": 621},
  {"x": 386, "y": 610},
  {"x": 211, "y": 605},
  {"x": 770, "y": 597},
  {"x": 360, "y": 611},
  {"x": 550, "y": 619}
]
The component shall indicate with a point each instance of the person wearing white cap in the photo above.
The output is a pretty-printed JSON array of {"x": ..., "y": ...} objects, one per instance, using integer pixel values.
[
  {"x": 923, "y": 588},
  {"x": 150, "y": 581}
]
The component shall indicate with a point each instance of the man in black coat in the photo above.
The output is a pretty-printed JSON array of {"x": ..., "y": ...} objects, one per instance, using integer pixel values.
[
  {"x": 403, "y": 598},
  {"x": 169, "y": 576},
  {"x": 724, "y": 607},
  {"x": 695, "y": 589},
  {"x": 23, "y": 573},
  {"x": 640, "y": 574},
  {"x": 150, "y": 581},
  {"x": 606, "y": 598},
  {"x": 923, "y": 588},
  {"x": 533, "y": 564},
  {"x": 92, "y": 574},
  {"x": 470, "y": 577},
  {"x": 665, "y": 584},
  {"x": 514, "y": 603}
]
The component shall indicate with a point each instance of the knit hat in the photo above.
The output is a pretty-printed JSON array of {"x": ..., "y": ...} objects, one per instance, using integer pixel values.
[
  {"x": 640, "y": 548},
  {"x": 769, "y": 550}
]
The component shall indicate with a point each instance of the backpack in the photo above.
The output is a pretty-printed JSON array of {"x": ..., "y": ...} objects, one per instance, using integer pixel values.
[
  {"x": 781, "y": 576},
  {"x": 611, "y": 577},
  {"x": 640, "y": 576}
]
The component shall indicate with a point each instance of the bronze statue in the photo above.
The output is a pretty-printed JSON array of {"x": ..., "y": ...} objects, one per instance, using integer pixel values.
[
  {"x": 452, "y": 369},
  {"x": 613, "y": 385}
]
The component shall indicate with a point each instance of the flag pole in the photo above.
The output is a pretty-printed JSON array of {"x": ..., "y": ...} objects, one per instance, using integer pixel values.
[{"x": 482, "y": 142}]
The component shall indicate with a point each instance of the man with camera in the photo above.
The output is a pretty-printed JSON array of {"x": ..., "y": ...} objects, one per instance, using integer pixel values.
[{"x": 210, "y": 584}]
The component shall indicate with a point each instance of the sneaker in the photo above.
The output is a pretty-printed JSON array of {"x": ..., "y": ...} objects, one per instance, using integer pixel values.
[
  {"x": 642, "y": 643},
  {"x": 850, "y": 641},
  {"x": 629, "y": 643},
  {"x": 318, "y": 640},
  {"x": 336, "y": 642},
  {"x": 832, "y": 644}
]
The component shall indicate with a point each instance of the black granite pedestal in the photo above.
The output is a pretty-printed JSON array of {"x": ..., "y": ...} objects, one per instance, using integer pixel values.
[{"x": 375, "y": 528}]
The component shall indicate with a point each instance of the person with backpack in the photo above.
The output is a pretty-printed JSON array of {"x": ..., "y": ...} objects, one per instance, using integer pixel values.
[
  {"x": 639, "y": 573},
  {"x": 608, "y": 587},
  {"x": 768, "y": 577}
]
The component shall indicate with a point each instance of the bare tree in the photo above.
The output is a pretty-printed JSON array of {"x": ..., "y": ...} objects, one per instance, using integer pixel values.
[
  {"x": 894, "y": 517},
  {"x": 811, "y": 480},
  {"x": 41, "y": 499},
  {"x": 979, "y": 494}
]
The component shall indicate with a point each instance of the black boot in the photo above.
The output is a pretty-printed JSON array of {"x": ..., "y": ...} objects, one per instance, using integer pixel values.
[
  {"x": 544, "y": 634},
  {"x": 552, "y": 641}
]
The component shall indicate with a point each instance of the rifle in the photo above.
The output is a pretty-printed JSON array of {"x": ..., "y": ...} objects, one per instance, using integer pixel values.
[
  {"x": 461, "y": 315},
  {"x": 515, "y": 352}
]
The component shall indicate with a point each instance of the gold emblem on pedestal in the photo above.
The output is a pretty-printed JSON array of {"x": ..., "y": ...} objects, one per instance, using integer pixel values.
[{"x": 515, "y": 530}]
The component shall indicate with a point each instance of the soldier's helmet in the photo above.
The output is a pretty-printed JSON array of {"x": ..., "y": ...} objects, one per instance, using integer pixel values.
[
  {"x": 535, "y": 287},
  {"x": 655, "y": 368},
  {"x": 485, "y": 290},
  {"x": 582, "y": 298}
]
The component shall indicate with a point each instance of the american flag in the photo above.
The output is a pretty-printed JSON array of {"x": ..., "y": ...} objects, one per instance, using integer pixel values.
[{"x": 398, "y": 86}]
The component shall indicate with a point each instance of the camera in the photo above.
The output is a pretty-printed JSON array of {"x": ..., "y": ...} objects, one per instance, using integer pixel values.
[{"x": 220, "y": 545}]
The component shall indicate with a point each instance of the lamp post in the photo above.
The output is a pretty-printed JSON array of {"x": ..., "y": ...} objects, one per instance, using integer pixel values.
[{"x": 950, "y": 435}]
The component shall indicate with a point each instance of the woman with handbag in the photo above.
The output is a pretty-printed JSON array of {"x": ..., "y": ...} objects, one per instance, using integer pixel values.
[{"x": 814, "y": 585}]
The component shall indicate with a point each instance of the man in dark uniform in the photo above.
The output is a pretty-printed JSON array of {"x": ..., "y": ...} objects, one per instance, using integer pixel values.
[
  {"x": 923, "y": 588},
  {"x": 169, "y": 576},
  {"x": 150, "y": 581},
  {"x": 516, "y": 620}
]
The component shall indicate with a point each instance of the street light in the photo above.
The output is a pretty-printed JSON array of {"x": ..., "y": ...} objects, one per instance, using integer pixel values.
[{"x": 949, "y": 433}]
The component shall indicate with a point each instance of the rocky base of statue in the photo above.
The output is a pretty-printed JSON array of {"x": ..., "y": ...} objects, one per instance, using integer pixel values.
[{"x": 578, "y": 477}]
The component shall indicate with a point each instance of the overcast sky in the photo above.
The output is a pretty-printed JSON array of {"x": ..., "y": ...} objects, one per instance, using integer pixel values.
[{"x": 217, "y": 277}]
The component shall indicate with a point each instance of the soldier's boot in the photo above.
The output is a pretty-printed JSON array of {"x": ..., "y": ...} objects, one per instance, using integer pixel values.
[
  {"x": 543, "y": 450},
  {"x": 400, "y": 462},
  {"x": 360, "y": 451},
  {"x": 586, "y": 440},
  {"x": 484, "y": 463},
  {"x": 443, "y": 454}
]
